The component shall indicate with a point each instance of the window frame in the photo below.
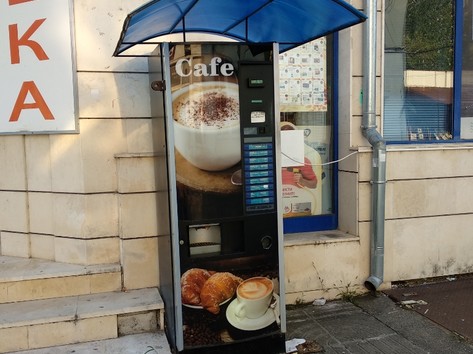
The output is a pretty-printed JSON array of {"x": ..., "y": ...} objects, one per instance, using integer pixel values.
[
  {"x": 457, "y": 71},
  {"x": 326, "y": 221},
  {"x": 455, "y": 117}
]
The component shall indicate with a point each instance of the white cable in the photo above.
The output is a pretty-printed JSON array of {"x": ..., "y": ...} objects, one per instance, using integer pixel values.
[{"x": 321, "y": 164}]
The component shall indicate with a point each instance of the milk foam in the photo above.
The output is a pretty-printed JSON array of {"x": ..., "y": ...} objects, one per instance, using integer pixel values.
[
  {"x": 215, "y": 107},
  {"x": 254, "y": 289}
]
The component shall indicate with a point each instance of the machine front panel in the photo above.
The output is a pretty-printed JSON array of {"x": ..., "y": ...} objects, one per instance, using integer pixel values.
[{"x": 223, "y": 132}]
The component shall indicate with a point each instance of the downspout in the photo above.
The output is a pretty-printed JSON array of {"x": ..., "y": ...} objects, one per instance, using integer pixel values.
[{"x": 378, "y": 174}]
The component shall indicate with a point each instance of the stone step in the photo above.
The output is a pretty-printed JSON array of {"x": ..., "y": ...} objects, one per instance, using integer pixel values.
[
  {"x": 25, "y": 279},
  {"x": 151, "y": 343},
  {"x": 45, "y": 323}
]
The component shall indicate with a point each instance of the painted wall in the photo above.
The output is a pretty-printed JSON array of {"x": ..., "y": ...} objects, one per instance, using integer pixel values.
[
  {"x": 85, "y": 198},
  {"x": 428, "y": 204},
  {"x": 429, "y": 208},
  {"x": 99, "y": 196}
]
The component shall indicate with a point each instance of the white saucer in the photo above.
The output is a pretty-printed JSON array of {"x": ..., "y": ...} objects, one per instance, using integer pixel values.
[{"x": 250, "y": 324}]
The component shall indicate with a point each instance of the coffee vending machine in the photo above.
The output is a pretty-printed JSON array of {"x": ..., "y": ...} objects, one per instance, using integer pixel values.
[{"x": 221, "y": 268}]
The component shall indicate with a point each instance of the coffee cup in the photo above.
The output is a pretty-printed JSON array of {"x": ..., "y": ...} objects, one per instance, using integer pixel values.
[
  {"x": 207, "y": 124},
  {"x": 253, "y": 297}
]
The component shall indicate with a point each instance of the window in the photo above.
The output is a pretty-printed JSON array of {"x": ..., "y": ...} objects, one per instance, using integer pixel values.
[
  {"x": 308, "y": 123},
  {"x": 419, "y": 70},
  {"x": 466, "y": 131},
  {"x": 428, "y": 94}
]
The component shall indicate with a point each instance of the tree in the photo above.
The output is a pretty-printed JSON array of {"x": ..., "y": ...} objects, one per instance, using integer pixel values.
[{"x": 429, "y": 35}]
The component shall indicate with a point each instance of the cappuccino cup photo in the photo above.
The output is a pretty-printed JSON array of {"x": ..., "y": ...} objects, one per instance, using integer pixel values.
[
  {"x": 254, "y": 297},
  {"x": 207, "y": 124}
]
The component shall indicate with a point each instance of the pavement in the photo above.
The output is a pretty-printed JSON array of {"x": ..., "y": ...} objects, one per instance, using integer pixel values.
[
  {"x": 410, "y": 318},
  {"x": 372, "y": 323},
  {"x": 448, "y": 302}
]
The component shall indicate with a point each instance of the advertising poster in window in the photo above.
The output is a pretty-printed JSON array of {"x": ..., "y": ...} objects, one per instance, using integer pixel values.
[
  {"x": 303, "y": 78},
  {"x": 301, "y": 174},
  {"x": 317, "y": 136},
  {"x": 303, "y": 89}
]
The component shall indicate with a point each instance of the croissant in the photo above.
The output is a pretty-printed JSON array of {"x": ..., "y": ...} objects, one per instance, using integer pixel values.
[
  {"x": 218, "y": 288},
  {"x": 192, "y": 282}
]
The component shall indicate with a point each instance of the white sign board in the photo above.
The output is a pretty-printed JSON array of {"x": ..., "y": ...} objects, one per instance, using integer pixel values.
[
  {"x": 37, "y": 72},
  {"x": 292, "y": 148}
]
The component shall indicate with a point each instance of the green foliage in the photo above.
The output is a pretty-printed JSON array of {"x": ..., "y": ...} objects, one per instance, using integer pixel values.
[
  {"x": 429, "y": 35},
  {"x": 347, "y": 293}
]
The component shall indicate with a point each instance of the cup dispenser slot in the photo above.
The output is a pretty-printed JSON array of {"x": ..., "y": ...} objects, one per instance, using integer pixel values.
[
  {"x": 205, "y": 239},
  {"x": 216, "y": 239}
]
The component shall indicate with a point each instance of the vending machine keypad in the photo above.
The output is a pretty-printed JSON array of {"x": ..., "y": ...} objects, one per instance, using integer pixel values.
[
  {"x": 259, "y": 176},
  {"x": 258, "y": 144}
]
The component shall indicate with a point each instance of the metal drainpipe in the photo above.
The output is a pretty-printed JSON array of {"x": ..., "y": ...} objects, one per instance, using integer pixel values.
[{"x": 378, "y": 179}]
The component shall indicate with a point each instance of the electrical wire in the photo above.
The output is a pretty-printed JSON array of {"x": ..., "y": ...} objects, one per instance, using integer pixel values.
[{"x": 319, "y": 164}]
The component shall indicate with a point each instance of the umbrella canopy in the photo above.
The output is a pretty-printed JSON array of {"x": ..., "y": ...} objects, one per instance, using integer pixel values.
[{"x": 287, "y": 22}]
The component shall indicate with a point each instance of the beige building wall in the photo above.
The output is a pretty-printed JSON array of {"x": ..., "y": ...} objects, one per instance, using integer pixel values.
[
  {"x": 429, "y": 209},
  {"x": 99, "y": 196},
  {"x": 91, "y": 197},
  {"x": 428, "y": 204}
]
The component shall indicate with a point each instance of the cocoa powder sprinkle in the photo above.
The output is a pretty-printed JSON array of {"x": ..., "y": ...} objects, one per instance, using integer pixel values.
[{"x": 213, "y": 109}]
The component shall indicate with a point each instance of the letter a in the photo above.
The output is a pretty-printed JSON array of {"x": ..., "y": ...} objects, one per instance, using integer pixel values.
[
  {"x": 39, "y": 102},
  {"x": 25, "y": 40}
]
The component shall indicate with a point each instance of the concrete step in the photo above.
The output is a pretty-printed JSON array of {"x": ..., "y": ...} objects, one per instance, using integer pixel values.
[
  {"x": 151, "y": 343},
  {"x": 25, "y": 279},
  {"x": 46, "y": 323}
]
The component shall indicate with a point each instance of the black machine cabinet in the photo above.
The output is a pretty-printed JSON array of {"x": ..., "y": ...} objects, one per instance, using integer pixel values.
[{"x": 223, "y": 161}]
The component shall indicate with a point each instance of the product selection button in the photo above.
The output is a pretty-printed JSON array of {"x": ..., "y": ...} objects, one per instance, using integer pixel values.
[
  {"x": 262, "y": 146},
  {"x": 253, "y": 160},
  {"x": 258, "y": 174},
  {"x": 258, "y": 187},
  {"x": 255, "y": 201},
  {"x": 257, "y": 153},
  {"x": 259, "y": 167},
  {"x": 260, "y": 194},
  {"x": 263, "y": 180}
]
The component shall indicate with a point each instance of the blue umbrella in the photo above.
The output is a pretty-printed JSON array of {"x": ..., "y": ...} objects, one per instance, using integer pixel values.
[{"x": 287, "y": 22}]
